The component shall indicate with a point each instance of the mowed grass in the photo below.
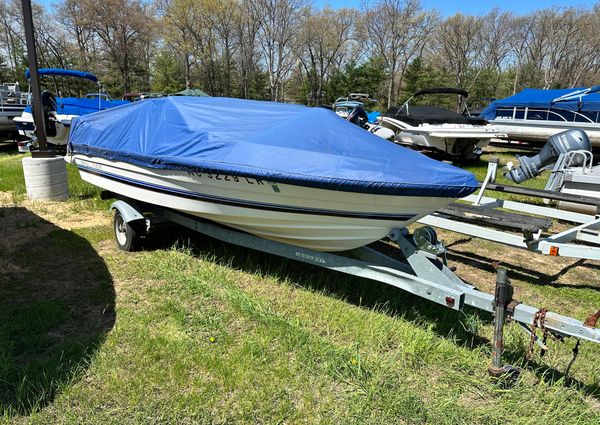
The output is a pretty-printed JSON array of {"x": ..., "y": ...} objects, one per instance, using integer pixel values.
[{"x": 196, "y": 331}]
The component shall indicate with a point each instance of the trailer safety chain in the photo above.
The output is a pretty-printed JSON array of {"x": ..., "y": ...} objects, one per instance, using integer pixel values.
[
  {"x": 538, "y": 322},
  {"x": 575, "y": 353}
]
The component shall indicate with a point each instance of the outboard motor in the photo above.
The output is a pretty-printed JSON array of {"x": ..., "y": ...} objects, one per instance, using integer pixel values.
[
  {"x": 561, "y": 143},
  {"x": 358, "y": 116},
  {"x": 49, "y": 110}
]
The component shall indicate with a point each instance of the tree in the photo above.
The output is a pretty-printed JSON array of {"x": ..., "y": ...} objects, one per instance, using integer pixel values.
[
  {"x": 398, "y": 31},
  {"x": 322, "y": 43},
  {"x": 125, "y": 30},
  {"x": 278, "y": 22}
]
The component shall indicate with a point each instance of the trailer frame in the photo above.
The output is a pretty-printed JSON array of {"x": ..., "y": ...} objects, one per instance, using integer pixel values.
[{"x": 581, "y": 240}]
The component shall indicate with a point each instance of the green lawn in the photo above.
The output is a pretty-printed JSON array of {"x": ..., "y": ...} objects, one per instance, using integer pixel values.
[{"x": 197, "y": 331}]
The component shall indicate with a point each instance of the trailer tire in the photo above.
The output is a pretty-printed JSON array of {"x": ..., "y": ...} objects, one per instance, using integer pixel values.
[{"x": 126, "y": 235}]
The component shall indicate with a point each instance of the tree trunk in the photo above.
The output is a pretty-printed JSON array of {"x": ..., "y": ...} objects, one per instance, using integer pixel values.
[
  {"x": 188, "y": 84},
  {"x": 391, "y": 92}
]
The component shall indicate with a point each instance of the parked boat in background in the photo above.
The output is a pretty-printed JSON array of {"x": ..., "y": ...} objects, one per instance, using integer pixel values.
[
  {"x": 190, "y": 92},
  {"x": 12, "y": 104},
  {"x": 60, "y": 111},
  {"x": 345, "y": 107},
  {"x": 437, "y": 129},
  {"x": 283, "y": 172},
  {"x": 533, "y": 115}
]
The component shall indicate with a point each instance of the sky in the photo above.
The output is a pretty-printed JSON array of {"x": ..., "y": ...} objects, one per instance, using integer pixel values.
[
  {"x": 474, "y": 7},
  {"x": 450, "y": 7}
]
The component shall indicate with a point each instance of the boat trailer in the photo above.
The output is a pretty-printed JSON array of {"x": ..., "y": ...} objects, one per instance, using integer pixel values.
[
  {"x": 520, "y": 224},
  {"x": 423, "y": 272}
]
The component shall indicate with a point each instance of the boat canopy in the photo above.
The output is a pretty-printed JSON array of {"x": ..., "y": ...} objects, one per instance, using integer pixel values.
[
  {"x": 190, "y": 92},
  {"x": 582, "y": 100},
  {"x": 64, "y": 73},
  {"x": 273, "y": 142}
]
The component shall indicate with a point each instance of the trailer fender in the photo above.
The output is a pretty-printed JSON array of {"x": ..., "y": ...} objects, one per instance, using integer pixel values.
[{"x": 129, "y": 211}]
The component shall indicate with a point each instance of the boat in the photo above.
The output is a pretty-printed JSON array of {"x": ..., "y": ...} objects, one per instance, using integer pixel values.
[
  {"x": 533, "y": 115},
  {"x": 345, "y": 107},
  {"x": 60, "y": 111},
  {"x": 288, "y": 173},
  {"x": 437, "y": 129},
  {"x": 189, "y": 92},
  {"x": 12, "y": 104}
]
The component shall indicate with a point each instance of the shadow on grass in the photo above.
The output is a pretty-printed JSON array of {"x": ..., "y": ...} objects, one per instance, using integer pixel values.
[
  {"x": 504, "y": 148},
  {"x": 7, "y": 147},
  {"x": 525, "y": 274},
  {"x": 57, "y": 303}
]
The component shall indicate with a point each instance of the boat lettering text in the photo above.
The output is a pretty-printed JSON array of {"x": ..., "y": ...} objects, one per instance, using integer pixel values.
[
  {"x": 310, "y": 257},
  {"x": 227, "y": 177},
  {"x": 88, "y": 164}
]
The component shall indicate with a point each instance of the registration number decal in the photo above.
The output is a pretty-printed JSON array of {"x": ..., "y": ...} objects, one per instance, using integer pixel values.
[{"x": 235, "y": 179}]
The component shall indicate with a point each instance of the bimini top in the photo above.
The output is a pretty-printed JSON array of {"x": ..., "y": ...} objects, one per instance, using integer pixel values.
[
  {"x": 582, "y": 99},
  {"x": 278, "y": 142},
  {"x": 64, "y": 73}
]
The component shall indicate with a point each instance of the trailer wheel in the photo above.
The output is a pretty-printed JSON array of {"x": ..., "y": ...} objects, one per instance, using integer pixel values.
[{"x": 127, "y": 237}]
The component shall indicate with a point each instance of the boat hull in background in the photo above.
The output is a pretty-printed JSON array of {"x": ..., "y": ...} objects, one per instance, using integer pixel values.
[
  {"x": 26, "y": 127},
  {"x": 453, "y": 139},
  {"x": 533, "y": 131}
]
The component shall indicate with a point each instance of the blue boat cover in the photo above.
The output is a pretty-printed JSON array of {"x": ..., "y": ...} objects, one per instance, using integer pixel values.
[
  {"x": 543, "y": 99},
  {"x": 373, "y": 116},
  {"x": 77, "y": 106},
  {"x": 64, "y": 73},
  {"x": 277, "y": 142}
]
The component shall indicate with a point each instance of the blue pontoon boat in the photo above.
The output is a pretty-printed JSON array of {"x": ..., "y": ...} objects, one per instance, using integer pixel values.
[
  {"x": 60, "y": 111},
  {"x": 533, "y": 115}
]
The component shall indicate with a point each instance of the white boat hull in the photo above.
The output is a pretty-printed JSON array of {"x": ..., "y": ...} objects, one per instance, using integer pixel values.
[
  {"x": 26, "y": 127},
  {"x": 319, "y": 219},
  {"x": 538, "y": 131},
  {"x": 453, "y": 139}
]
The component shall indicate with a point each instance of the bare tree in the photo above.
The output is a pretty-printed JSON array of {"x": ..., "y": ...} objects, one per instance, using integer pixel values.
[
  {"x": 323, "y": 41},
  {"x": 278, "y": 24},
  {"x": 398, "y": 31},
  {"x": 246, "y": 27},
  {"x": 124, "y": 28}
]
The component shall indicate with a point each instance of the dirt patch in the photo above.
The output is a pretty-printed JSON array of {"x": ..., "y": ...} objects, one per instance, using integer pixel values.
[{"x": 66, "y": 215}]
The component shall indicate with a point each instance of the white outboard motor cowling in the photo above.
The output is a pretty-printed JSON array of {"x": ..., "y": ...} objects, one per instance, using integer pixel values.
[{"x": 561, "y": 143}]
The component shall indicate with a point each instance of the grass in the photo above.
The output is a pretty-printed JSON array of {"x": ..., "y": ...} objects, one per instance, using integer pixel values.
[{"x": 194, "y": 330}]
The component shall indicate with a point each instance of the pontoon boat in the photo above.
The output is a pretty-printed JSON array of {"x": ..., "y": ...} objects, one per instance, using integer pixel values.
[
  {"x": 533, "y": 115},
  {"x": 60, "y": 111}
]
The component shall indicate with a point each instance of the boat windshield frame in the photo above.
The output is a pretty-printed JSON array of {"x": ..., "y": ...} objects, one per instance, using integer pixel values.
[{"x": 434, "y": 90}]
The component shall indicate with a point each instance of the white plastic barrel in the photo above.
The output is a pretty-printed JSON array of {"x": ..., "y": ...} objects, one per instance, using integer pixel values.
[{"x": 46, "y": 178}]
